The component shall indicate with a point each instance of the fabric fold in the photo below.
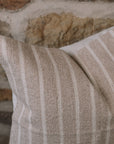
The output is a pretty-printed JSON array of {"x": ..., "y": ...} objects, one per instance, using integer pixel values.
[
  {"x": 60, "y": 99},
  {"x": 95, "y": 55}
]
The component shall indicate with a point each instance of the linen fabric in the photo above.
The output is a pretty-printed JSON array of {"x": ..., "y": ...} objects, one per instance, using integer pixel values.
[
  {"x": 60, "y": 99},
  {"x": 96, "y": 57}
]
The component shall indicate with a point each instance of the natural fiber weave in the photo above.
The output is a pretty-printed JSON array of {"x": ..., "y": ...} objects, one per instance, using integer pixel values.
[{"x": 60, "y": 99}]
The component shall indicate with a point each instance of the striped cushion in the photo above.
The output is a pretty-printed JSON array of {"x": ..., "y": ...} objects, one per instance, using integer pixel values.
[
  {"x": 97, "y": 52},
  {"x": 60, "y": 100}
]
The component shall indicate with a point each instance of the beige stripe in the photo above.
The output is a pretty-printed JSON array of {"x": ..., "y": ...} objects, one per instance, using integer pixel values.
[
  {"x": 4, "y": 51},
  {"x": 22, "y": 68},
  {"x": 42, "y": 97},
  {"x": 19, "y": 125},
  {"x": 108, "y": 39},
  {"x": 108, "y": 127},
  {"x": 30, "y": 127},
  {"x": 59, "y": 95},
  {"x": 104, "y": 57},
  {"x": 105, "y": 47},
  {"x": 112, "y": 33},
  {"x": 14, "y": 101},
  {"x": 83, "y": 66},
  {"x": 76, "y": 99},
  {"x": 102, "y": 67},
  {"x": 93, "y": 114}
]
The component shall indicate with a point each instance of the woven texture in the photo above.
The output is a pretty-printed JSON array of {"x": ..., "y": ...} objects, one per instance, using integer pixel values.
[{"x": 60, "y": 99}]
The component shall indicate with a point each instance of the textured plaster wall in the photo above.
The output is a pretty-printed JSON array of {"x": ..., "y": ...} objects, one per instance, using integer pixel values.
[
  {"x": 14, "y": 23},
  {"x": 18, "y": 20},
  {"x": 16, "y": 14}
]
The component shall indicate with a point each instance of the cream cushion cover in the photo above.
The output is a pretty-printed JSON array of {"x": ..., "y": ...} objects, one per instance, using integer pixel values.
[{"x": 61, "y": 98}]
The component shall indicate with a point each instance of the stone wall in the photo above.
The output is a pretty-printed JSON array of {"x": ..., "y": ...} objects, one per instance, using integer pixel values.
[
  {"x": 13, "y": 4},
  {"x": 47, "y": 23},
  {"x": 17, "y": 4},
  {"x": 52, "y": 23},
  {"x": 57, "y": 30}
]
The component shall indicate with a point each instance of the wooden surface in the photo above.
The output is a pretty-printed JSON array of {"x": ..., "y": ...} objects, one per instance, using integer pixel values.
[
  {"x": 6, "y": 110},
  {"x": 5, "y": 121},
  {"x": 5, "y": 94}
]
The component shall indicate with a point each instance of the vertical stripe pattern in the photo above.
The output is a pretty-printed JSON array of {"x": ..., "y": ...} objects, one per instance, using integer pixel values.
[
  {"x": 19, "y": 127},
  {"x": 105, "y": 47},
  {"x": 21, "y": 56},
  {"x": 108, "y": 127},
  {"x": 59, "y": 96},
  {"x": 76, "y": 99},
  {"x": 11, "y": 76},
  {"x": 63, "y": 97},
  {"x": 42, "y": 97},
  {"x": 4, "y": 51},
  {"x": 93, "y": 115},
  {"x": 102, "y": 67}
]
